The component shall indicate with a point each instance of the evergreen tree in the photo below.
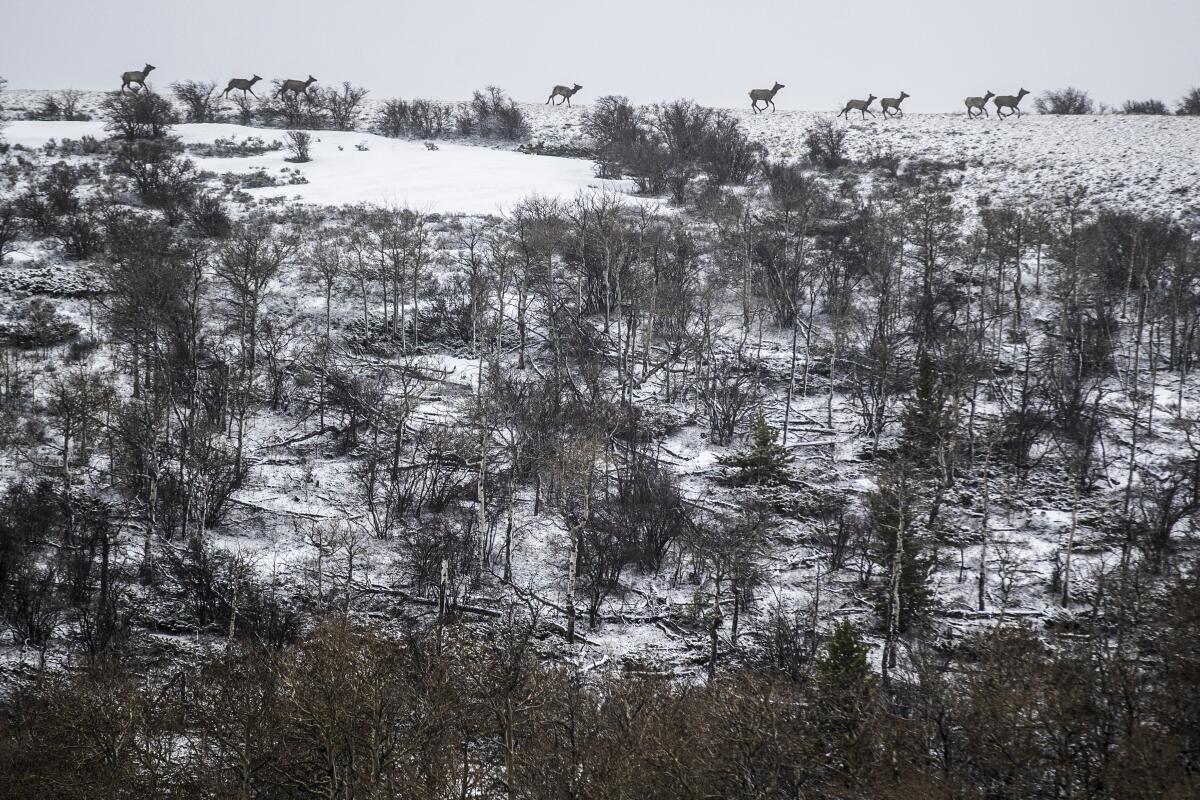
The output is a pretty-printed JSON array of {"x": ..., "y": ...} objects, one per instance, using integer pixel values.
[
  {"x": 845, "y": 687},
  {"x": 843, "y": 668},
  {"x": 893, "y": 515},
  {"x": 765, "y": 463},
  {"x": 926, "y": 418}
]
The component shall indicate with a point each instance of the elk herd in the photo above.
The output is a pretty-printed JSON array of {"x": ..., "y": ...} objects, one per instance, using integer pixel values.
[{"x": 135, "y": 81}]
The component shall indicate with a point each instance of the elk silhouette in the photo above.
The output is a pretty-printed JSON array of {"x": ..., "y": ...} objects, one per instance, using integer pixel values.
[
  {"x": 764, "y": 96},
  {"x": 891, "y": 105},
  {"x": 862, "y": 106},
  {"x": 245, "y": 84},
  {"x": 135, "y": 76},
  {"x": 1009, "y": 101},
  {"x": 565, "y": 92},
  {"x": 974, "y": 104},
  {"x": 295, "y": 86}
]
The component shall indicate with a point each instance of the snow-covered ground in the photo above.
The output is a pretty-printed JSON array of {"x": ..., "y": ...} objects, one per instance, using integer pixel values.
[
  {"x": 1149, "y": 164},
  {"x": 350, "y": 168},
  {"x": 1146, "y": 164}
]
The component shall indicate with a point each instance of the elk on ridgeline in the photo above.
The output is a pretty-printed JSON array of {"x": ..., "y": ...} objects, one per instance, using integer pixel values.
[
  {"x": 764, "y": 96},
  {"x": 245, "y": 84},
  {"x": 974, "y": 104},
  {"x": 135, "y": 76},
  {"x": 565, "y": 92},
  {"x": 862, "y": 106},
  {"x": 1009, "y": 101},
  {"x": 891, "y": 105},
  {"x": 295, "y": 86}
]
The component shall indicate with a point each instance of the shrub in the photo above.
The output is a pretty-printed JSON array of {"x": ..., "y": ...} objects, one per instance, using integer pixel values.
[
  {"x": 68, "y": 101},
  {"x": 1189, "y": 105},
  {"x": 209, "y": 217},
  {"x": 341, "y": 105},
  {"x": 671, "y": 146},
  {"x": 78, "y": 232},
  {"x": 726, "y": 154},
  {"x": 10, "y": 228},
  {"x": 245, "y": 108},
  {"x": 47, "y": 109},
  {"x": 234, "y": 148},
  {"x": 199, "y": 98},
  {"x": 1064, "y": 101},
  {"x": 613, "y": 122},
  {"x": 38, "y": 324},
  {"x": 1145, "y": 107},
  {"x": 292, "y": 111},
  {"x": 141, "y": 115},
  {"x": 161, "y": 179},
  {"x": 491, "y": 114},
  {"x": 61, "y": 106},
  {"x": 423, "y": 119},
  {"x": 298, "y": 143},
  {"x": 826, "y": 143}
]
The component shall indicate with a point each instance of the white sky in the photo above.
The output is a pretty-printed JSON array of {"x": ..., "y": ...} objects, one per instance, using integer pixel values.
[{"x": 825, "y": 52}]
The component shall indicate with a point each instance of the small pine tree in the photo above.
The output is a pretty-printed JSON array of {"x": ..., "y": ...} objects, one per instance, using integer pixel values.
[
  {"x": 845, "y": 696},
  {"x": 843, "y": 667},
  {"x": 766, "y": 463},
  {"x": 891, "y": 508},
  {"x": 926, "y": 418}
]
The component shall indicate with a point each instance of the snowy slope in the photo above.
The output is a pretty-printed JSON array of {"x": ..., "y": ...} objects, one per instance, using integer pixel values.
[
  {"x": 455, "y": 177},
  {"x": 1144, "y": 163},
  {"x": 1149, "y": 164}
]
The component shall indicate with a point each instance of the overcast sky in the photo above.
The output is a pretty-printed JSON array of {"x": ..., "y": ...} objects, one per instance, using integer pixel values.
[{"x": 825, "y": 52}]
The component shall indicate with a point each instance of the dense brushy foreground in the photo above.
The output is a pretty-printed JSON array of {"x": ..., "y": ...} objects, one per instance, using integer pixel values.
[
  {"x": 803, "y": 422},
  {"x": 350, "y": 713}
]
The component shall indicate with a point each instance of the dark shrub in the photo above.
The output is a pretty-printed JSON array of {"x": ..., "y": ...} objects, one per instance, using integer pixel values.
[
  {"x": 1145, "y": 107},
  {"x": 38, "y": 324},
  {"x": 162, "y": 180},
  {"x": 141, "y": 115},
  {"x": 47, "y": 109},
  {"x": 826, "y": 143},
  {"x": 671, "y": 146},
  {"x": 199, "y": 98},
  {"x": 78, "y": 232},
  {"x": 1064, "y": 101},
  {"x": 613, "y": 122},
  {"x": 245, "y": 108},
  {"x": 292, "y": 111},
  {"x": 298, "y": 143},
  {"x": 491, "y": 114},
  {"x": 341, "y": 106},
  {"x": 727, "y": 156},
  {"x": 10, "y": 227},
  {"x": 425, "y": 119},
  {"x": 1189, "y": 105},
  {"x": 209, "y": 217}
]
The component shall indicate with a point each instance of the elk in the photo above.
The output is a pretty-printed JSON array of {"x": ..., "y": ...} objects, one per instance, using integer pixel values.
[
  {"x": 565, "y": 92},
  {"x": 245, "y": 84},
  {"x": 135, "y": 76},
  {"x": 1009, "y": 101},
  {"x": 295, "y": 86},
  {"x": 978, "y": 104},
  {"x": 862, "y": 106},
  {"x": 764, "y": 96},
  {"x": 891, "y": 105}
]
